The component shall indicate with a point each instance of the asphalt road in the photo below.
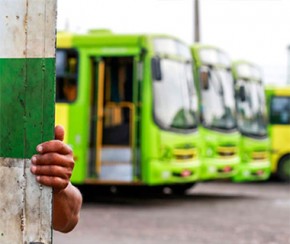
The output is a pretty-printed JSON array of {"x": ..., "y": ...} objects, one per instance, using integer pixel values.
[{"x": 210, "y": 213}]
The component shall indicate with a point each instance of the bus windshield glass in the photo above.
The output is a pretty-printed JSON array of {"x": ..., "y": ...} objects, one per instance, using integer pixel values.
[
  {"x": 218, "y": 102},
  {"x": 251, "y": 109},
  {"x": 212, "y": 56},
  {"x": 175, "y": 98},
  {"x": 249, "y": 71},
  {"x": 173, "y": 47}
]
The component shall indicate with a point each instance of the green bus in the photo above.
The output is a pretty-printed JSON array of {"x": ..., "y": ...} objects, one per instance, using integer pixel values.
[
  {"x": 278, "y": 103},
  {"x": 252, "y": 122},
  {"x": 218, "y": 127},
  {"x": 129, "y": 108}
]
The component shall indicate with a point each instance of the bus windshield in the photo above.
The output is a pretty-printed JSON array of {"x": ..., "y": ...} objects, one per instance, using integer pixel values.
[
  {"x": 251, "y": 110},
  {"x": 218, "y": 102},
  {"x": 175, "y": 98}
]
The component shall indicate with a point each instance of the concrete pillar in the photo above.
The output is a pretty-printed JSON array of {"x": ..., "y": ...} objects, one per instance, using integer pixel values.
[{"x": 27, "y": 68}]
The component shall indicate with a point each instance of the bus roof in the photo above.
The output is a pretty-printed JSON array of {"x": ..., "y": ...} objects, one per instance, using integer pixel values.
[
  {"x": 243, "y": 69},
  {"x": 210, "y": 55},
  {"x": 104, "y": 38},
  {"x": 280, "y": 90}
]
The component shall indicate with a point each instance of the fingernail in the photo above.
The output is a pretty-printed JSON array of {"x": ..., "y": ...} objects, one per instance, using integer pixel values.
[
  {"x": 33, "y": 168},
  {"x": 38, "y": 178},
  {"x": 33, "y": 159},
  {"x": 39, "y": 148}
]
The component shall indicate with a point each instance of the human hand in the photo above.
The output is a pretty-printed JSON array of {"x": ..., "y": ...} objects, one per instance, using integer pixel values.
[{"x": 54, "y": 163}]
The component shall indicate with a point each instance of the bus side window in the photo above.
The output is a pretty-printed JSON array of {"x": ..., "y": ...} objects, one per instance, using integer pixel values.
[
  {"x": 66, "y": 75},
  {"x": 280, "y": 110}
]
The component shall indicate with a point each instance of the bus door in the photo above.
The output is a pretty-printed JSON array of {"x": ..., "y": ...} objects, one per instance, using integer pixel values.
[{"x": 112, "y": 142}]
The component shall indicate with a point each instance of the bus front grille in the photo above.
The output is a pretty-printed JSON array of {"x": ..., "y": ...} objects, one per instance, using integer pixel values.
[
  {"x": 185, "y": 154},
  {"x": 226, "y": 151},
  {"x": 259, "y": 155}
]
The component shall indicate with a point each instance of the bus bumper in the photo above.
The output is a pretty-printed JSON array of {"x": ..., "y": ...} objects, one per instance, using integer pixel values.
[
  {"x": 253, "y": 171},
  {"x": 161, "y": 172},
  {"x": 221, "y": 168}
]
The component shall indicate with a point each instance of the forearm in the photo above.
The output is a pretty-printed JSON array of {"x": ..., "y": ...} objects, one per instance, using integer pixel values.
[{"x": 66, "y": 208}]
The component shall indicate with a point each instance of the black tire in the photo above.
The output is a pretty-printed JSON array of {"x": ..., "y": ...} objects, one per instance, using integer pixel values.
[
  {"x": 155, "y": 190},
  {"x": 181, "y": 189},
  {"x": 283, "y": 171}
]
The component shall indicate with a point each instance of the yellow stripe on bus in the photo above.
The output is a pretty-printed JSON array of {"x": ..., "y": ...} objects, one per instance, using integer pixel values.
[
  {"x": 61, "y": 118},
  {"x": 280, "y": 143},
  {"x": 64, "y": 40}
]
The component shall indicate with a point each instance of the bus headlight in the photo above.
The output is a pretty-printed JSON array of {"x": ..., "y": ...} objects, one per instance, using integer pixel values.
[
  {"x": 165, "y": 174},
  {"x": 212, "y": 169}
]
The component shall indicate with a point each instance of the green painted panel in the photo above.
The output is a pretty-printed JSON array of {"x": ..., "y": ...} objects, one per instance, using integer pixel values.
[{"x": 26, "y": 105}]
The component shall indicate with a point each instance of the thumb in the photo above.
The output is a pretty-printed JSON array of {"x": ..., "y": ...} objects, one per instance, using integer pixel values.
[{"x": 59, "y": 133}]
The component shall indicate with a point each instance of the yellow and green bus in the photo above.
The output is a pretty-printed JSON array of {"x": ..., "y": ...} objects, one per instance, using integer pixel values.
[
  {"x": 218, "y": 126},
  {"x": 278, "y": 103},
  {"x": 252, "y": 122},
  {"x": 129, "y": 108}
]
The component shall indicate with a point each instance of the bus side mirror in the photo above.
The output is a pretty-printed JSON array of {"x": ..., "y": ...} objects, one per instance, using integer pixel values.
[
  {"x": 242, "y": 93},
  {"x": 156, "y": 69},
  {"x": 204, "y": 79}
]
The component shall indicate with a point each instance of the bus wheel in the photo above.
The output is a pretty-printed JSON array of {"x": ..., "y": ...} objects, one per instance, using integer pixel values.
[
  {"x": 284, "y": 169},
  {"x": 180, "y": 189}
]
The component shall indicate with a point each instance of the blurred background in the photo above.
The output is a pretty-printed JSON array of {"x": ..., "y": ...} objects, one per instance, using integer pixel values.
[{"x": 211, "y": 212}]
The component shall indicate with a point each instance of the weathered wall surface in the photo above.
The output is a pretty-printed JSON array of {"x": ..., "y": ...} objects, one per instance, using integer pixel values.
[{"x": 27, "y": 51}]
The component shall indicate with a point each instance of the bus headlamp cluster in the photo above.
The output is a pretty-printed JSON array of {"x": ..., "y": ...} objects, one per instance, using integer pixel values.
[{"x": 212, "y": 169}]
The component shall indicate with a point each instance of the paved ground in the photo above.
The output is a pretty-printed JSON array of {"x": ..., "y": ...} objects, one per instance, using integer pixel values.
[{"x": 211, "y": 213}]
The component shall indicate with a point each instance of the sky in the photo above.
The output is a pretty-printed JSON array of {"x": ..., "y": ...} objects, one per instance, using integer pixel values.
[{"x": 253, "y": 30}]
